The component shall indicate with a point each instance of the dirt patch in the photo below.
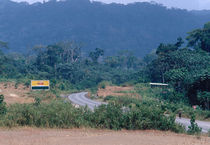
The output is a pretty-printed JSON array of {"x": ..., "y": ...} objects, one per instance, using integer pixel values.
[
  {"x": 32, "y": 136},
  {"x": 14, "y": 93},
  {"x": 117, "y": 91}
]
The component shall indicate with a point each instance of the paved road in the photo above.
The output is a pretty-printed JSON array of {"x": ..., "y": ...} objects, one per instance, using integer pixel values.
[
  {"x": 202, "y": 124},
  {"x": 81, "y": 100}
]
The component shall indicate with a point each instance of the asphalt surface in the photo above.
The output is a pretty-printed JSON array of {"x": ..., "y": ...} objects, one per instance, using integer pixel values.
[
  {"x": 202, "y": 124},
  {"x": 81, "y": 100}
]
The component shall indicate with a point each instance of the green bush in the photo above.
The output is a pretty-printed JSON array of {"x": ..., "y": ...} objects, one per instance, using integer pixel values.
[
  {"x": 54, "y": 114},
  {"x": 103, "y": 86},
  {"x": 144, "y": 117},
  {"x": 193, "y": 128},
  {"x": 37, "y": 101},
  {"x": 109, "y": 98},
  {"x": 108, "y": 116},
  {"x": 122, "y": 100},
  {"x": 3, "y": 108},
  {"x": 16, "y": 84},
  {"x": 27, "y": 84},
  {"x": 62, "y": 86},
  {"x": 112, "y": 116},
  {"x": 172, "y": 96}
]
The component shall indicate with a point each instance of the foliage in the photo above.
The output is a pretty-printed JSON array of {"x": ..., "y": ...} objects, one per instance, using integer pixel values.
[
  {"x": 108, "y": 98},
  {"x": 199, "y": 39},
  {"x": 65, "y": 65},
  {"x": 169, "y": 100},
  {"x": 37, "y": 101},
  {"x": 103, "y": 86},
  {"x": 54, "y": 114},
  {"x": 108, "y": 116},
  {"x": 186, "y": 69},
  {"x": 138, "y": 27},
  {"x": 204, "y": 98},
  {"x": 111, "y": 116},
  {"x": 3, "y": 108},
  {"x": 94, "y": 55},
  {"x": 193, "y": 128}
]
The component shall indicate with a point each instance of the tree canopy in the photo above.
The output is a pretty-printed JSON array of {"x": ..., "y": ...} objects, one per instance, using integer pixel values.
[{"x": 138, "y": 27}]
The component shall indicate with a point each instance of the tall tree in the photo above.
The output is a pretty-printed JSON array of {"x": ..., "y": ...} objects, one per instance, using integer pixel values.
[
  {"x": 200, "y": 38},
  {"x": 164, "y": 62},
  {"x": 94, "y": 55}
]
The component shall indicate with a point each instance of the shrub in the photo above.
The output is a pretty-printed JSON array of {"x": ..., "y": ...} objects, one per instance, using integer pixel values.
[
  {"x": 112, "y": 116},
  {"x": 27, "y": 84},
  {"x": 122, "y": 100},
  {"x": 103, "y": 86},
  {"x": 108, "y": 116},
  {"x": 144, "y": 117},
  {"x": 16, "y": 85},
  {"x": 62, "y": 86},
  {"x": 3, "y": 108},
  {"x": 193, "y": 128},
  {"x": 37, "y": 101},
  {"x": 54, "y": 114},
  {"x": 204, "y": 99},
  {"x": 108, "y": 98},
  {"x": 174, "y": 97}
]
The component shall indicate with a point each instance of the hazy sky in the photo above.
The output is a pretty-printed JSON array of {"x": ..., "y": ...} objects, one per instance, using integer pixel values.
[{"x": 186, "y": 4}]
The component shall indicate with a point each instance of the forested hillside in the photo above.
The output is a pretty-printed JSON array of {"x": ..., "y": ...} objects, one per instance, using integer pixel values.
[
  {"x": 138, "y": 27},
  {"x": 183, "y": 63},
  {"x": 186, "y": 69}
]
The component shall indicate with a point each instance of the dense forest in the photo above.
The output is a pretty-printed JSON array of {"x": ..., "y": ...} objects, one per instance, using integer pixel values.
[
  {"x": 186, "y": 67},
  {"x": 137, "y": 27}
]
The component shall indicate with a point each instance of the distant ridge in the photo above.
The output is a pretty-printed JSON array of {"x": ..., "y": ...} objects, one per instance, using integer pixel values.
[{"x": 138, "y": 27}]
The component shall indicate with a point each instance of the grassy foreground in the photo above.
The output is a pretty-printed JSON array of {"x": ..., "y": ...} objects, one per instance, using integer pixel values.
[{"x": 60, "y": 114}]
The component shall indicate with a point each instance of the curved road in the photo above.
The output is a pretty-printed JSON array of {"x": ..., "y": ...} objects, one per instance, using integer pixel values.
[{"x": 81, "y": 100}]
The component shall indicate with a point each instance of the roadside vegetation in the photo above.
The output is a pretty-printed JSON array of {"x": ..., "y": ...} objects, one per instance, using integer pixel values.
[
  {"x": 185, "y": 67},
  {"x": 60, "y": 114}
]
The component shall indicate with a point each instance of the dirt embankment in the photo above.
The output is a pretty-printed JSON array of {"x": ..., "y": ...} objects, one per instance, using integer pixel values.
[
  {"x": 15, "y": 93},
  {"x": 19, "y": 93},
  {"x": 117, "y": 91},
  {"x": 32, "y": 136}
]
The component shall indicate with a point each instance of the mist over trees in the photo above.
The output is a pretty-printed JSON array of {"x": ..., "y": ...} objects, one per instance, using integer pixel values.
[{"x": 138, "y": 27}]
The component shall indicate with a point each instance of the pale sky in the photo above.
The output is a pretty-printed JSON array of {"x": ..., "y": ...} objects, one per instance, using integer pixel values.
[{"x": 184, "y": 4}]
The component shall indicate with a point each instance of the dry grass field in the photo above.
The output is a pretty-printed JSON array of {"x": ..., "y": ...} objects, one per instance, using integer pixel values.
[
  {"x": 117, "y": 91},
  {"x": 15, "y": 94},
  {"x": 33, "y": 136},
  {"x": 21, "y": 94}
]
